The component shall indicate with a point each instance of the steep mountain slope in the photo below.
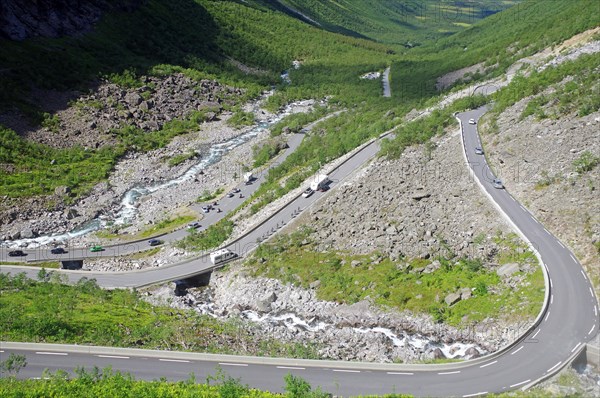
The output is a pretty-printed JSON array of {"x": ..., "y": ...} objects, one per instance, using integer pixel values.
[{"x": 389, "y": 21}]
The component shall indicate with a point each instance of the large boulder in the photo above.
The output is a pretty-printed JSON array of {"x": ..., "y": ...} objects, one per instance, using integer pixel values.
[
  {"x": 452, "y": 298},
  {"x": 508, "y": 269}
]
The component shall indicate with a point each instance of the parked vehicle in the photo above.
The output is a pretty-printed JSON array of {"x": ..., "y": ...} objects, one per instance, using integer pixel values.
[
  {"x": 230, "y": 195},
  {"x": 155, "y": 242},
  {"x": 96, "y": 248},
  {"x": 498, "y": 183},
  {"x": 307, "y": 192},
  {"x": 320, "y": 182},
  {"x": 194, "y": 225},
  {"x": 16, "y": 253},
  {"x": 472, "y": 121},
  {"x": 222, "y": 256},
  {"x": 205, "y": 209},
  {"x": 58, "y": 250}
]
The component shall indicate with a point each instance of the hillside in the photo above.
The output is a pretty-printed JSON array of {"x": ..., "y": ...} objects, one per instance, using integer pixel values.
[{"x": 409, "y": 23}]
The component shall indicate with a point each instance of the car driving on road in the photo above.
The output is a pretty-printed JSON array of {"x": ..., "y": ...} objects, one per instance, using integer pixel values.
[
  {"x": 155, "y": 242},
  {"x": 478, "y": 151},
  {"x": 58, "y": 250},
  {"x": 194, "y": 225},
  {"x": 16, "y": 253},
  {"x": 96, "y": 248},
  {"x": 307, "y": 192},
  {"x": 472, "y": 121},
  {"x": 498, "y": 183}
]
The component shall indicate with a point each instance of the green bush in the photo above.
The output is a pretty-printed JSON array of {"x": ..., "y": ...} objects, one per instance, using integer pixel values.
[{"x": 586, "y": 162}]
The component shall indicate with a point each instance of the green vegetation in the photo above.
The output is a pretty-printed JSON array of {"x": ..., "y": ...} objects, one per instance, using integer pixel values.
[
  {"x": 43, "y": 264},
  {"x": 178, "y": 159},
  {"x": 393, "y": 22},
  {"x": 402, "y": 284},
  {"x": 267, "y": 151},
  {"x": 167, "y": 225},
  {"x": 241, "y": 118},
  {"x": 207, "y": 195},
  {"x": 210, "y": 238},
  {"x": 586, "y": 162},
  {"x": 52, "y": 312}
]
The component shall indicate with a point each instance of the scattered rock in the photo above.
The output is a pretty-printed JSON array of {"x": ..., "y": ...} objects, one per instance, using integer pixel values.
[
  {"x": 452, "y": 298},
  {"x": 508, "y": 269}
]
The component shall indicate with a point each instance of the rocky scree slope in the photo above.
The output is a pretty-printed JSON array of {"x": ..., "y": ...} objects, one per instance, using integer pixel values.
[
  {"x": 536, "y": 159},
  {"x": 90, "y": 121},
  {"x": 20, "y": 20}
]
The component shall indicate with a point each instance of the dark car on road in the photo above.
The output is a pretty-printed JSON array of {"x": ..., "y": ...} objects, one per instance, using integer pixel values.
[
  {"x": 155, "y": 242},
  {"x": 16, "y": 253},
  {"x": 58, "y": 250}
]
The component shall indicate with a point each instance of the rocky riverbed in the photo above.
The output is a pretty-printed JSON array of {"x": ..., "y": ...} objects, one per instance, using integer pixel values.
[{"x": 347, "y": 332}]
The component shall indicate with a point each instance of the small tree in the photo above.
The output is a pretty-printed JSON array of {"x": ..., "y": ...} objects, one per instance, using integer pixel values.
[{"x": 13, "y": 364}]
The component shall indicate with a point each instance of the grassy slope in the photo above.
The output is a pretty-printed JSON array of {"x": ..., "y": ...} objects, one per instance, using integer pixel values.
[
  {"x": 194, "y": 37},
  {"x": 394, "y": 22},
  {"x": 497, "y": 41}
]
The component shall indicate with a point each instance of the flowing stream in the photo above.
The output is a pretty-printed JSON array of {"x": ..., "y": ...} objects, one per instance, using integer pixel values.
[{"x": 128, "y": 208}]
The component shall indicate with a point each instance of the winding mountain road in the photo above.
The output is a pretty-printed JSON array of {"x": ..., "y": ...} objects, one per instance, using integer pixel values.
[{"x": 569, "y": 319}]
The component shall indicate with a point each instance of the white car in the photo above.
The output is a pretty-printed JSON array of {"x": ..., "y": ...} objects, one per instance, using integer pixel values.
[
  {"x": 307, "y": 192},
  {"x": 498, "y": 183},
  {"x": 205, "y": 209},
  {"x": 478, "y": 151},
  {"x": 472, "y": 121}
]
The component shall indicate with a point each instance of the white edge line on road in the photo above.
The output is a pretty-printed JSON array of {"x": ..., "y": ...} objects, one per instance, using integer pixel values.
[
  {"x": 476, "y": 394},
  {"x": 591, "y": 291},
  {"x": 536, "y": 333},
  {"x": 592, "y": 329},
  {"x": 112, "y": 356},
  {"x": 554, "y": 367},
  {"x": 574, "y": 348},
  {"x": 173, "y": 360},
  {"x": 551, "y": 284},
  {"x": 522, "y": 207},
  {"x": 401, "y": 373},
  {"x": 547, "y": 315},
  {"x": 573, "y": 257},
  {"x": 232, "y": 364},
  {"x": 561, "y": 245},
  {"x": 488, "y": 364},
  {"x": 50, "y": 353},
  {"x": 595, "y": 312},
  {"x": 290, "y": 367},
  {"x": 449, "y": 373},
  {"x": 517, "y": 350},
  {"x": 523, "y": 382},
  {"x": 346, "y": 370},
  {"x": 510, "y": 196},
  {"x": 551, "y": 299},
  {"x": 1, "y": 351},
  {"x": 583, "y": 273}
]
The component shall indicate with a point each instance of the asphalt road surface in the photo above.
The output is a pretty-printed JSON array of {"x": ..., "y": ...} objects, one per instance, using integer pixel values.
[{"x": 570, "y": 320}]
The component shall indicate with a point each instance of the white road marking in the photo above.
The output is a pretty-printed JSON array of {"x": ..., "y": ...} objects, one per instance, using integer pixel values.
[
  {"x": 548, "y": 232},
  {"x": 401, "y": 373},
  {"x": 551, "y": 284},
  {"x": 577, "y": 346},
  {"x": 514, "y": 200},
  {"x": 573, "y": 257},
  {"x": 488, "y": 364},
  {"x": 1, "y": 351},
  {"x": 50, "y": 353},
  {"x": 112, "y": 356},
  {"x": 591, "y": 292},
  {"x": 547, "y": 315},
  {"x": 536, "y": 333},
  {"x": 523, "y": 382},
  {"x": 560, "y": 243},
  {"x": 346, "y": 370},
  {"x": 583, "y": 273},
  {"x": 449, "y": 373},
  {"x": 476, "y": 394},
  {"x": 595, "y": 313},
  {"x": 518, "y": 349},
  {"x": 592, "y": 329},
  {"x": 232, "y": 364},
  {"x": 551, "y": 298},
  {"x": 173, "y": 360},
  {"x": 554, "y": 367},
  {"x": 524, "y": 209},
  {"x": 290, "y": 367}
]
